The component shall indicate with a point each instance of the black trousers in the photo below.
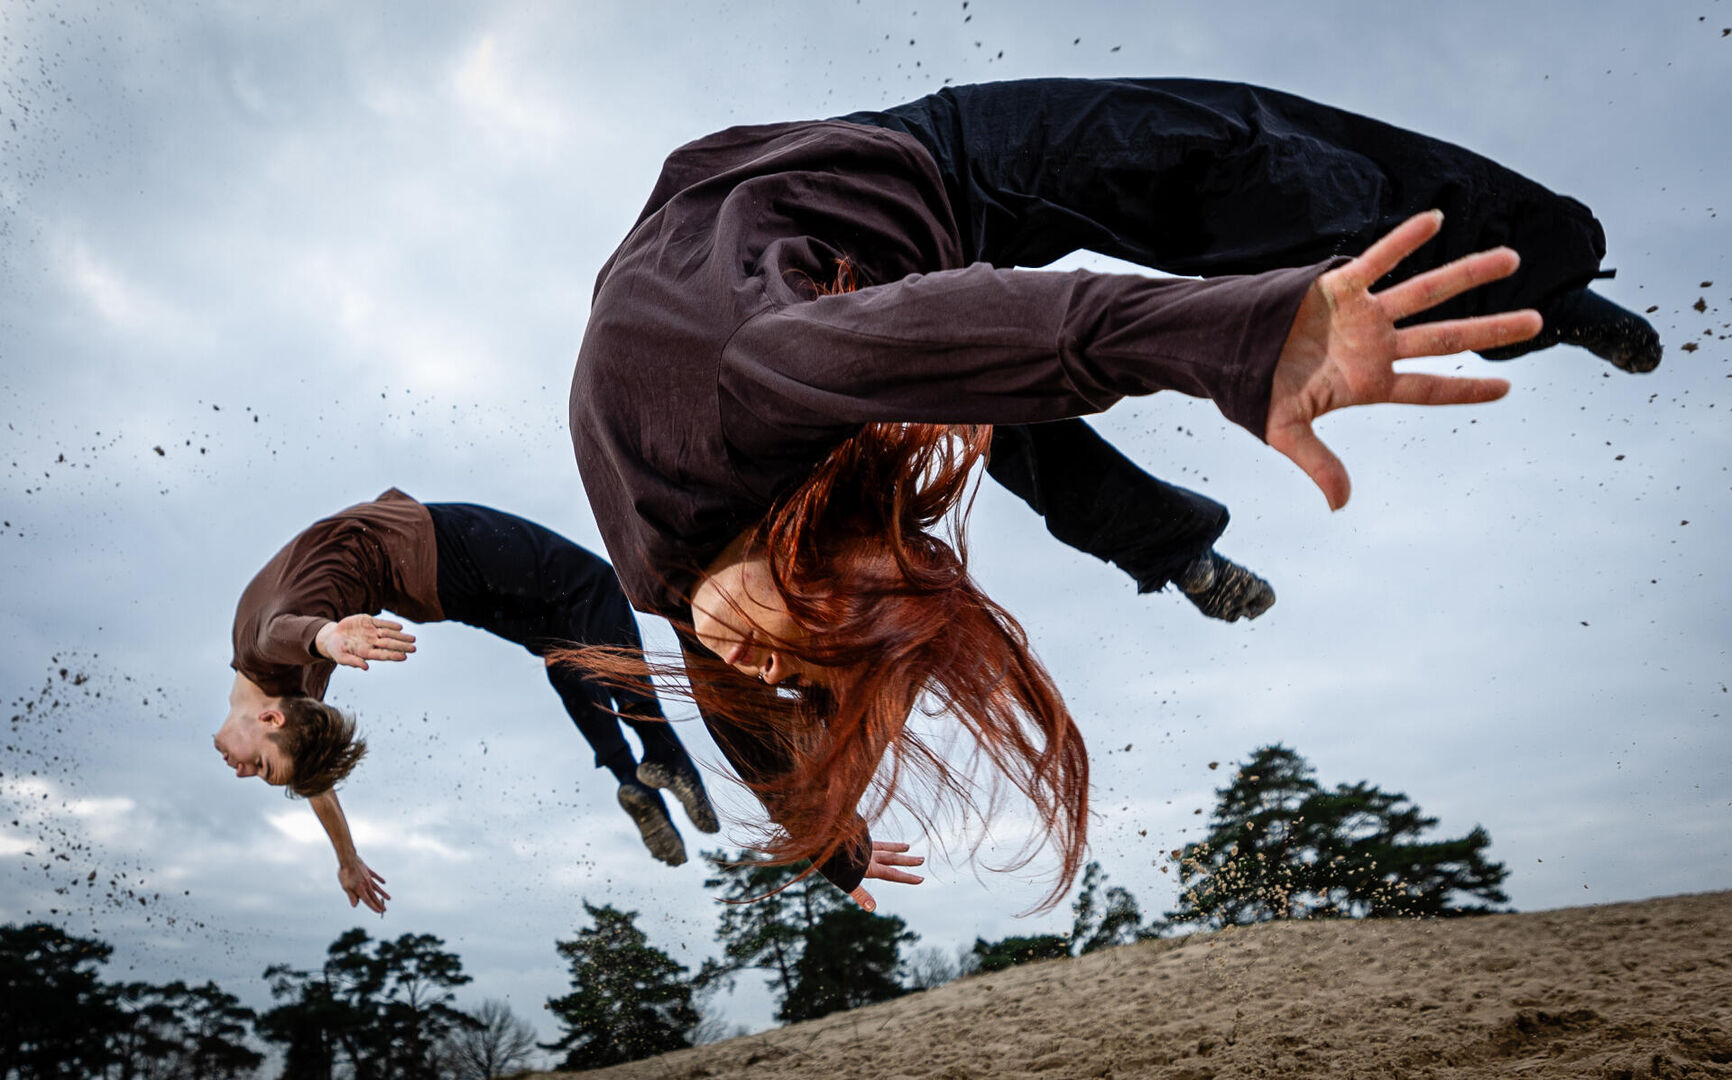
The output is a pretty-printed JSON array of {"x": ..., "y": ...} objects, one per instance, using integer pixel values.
[
  {"x": 1194, "y": 177},
  {"x": 529, "y": 585}
]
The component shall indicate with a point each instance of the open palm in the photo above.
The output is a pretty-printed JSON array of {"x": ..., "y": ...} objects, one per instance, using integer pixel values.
[{"x": 1344, "y": 344}]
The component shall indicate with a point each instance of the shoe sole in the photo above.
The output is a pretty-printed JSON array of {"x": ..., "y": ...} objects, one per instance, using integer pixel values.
[
  {"x": 658, "y": 833},
  {"x": 687, "y": 788}
]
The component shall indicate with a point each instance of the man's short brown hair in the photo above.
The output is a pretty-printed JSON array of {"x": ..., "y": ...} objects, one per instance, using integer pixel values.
[{"x": 320, "y": 743}]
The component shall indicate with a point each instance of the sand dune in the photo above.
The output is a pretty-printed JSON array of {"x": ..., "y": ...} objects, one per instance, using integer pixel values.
[{"x": 1624, "y": 990}]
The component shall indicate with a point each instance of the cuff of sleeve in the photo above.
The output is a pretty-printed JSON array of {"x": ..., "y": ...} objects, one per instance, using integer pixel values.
[
  {"x": 847, "y": 868},
  {"x": 300, "y": 630},
  {"x": 1265, "y": 334}
]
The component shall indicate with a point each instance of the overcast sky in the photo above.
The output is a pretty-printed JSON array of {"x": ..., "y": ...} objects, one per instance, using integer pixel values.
[{"x": 261, "y": 261}]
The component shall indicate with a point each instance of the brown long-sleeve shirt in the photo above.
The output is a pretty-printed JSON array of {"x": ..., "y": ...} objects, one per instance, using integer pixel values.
[
  {"x": 711, "y": 379},
  {"x": 372, "y": 557}
]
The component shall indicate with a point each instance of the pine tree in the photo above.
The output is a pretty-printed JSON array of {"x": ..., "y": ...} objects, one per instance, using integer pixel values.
[
  {"x": 56, "y": 1016},
  {"x": 628, "y": 999},
  {"x": 989, "y": 956},
  {"x": 766, "y": 917},
  {"x": 1101, "y": 921},
  {"x": 381, "y": 1008},
  {"x": 1280, "y": 847},
  {"x": 850, "y": 958}
]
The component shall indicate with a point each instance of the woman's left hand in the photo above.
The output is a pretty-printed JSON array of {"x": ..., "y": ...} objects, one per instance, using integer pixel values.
[{"x": 887, "y": 857}]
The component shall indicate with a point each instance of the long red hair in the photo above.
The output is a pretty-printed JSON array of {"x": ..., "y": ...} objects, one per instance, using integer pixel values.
[{"x": 869, "y": 555}]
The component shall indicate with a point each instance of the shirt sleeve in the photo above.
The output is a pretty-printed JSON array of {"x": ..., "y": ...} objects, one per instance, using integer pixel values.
[
  {"x": 994, "y": 346},
  {"x": 288, "y": 639}
]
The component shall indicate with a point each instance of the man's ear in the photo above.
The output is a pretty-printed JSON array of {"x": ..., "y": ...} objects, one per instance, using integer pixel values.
[{"x": 272, "y": 717}]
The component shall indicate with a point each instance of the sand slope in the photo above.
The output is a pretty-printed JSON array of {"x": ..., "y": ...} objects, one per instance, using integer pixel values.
[{"x": 1624, "y": 990}]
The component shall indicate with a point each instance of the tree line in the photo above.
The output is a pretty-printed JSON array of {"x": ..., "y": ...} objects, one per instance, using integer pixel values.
[{"x": 1279, "y": 846}]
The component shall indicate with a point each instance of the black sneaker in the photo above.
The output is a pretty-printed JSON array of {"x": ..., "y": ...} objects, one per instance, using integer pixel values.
[
  {"x": 1222, "y": 589},
  {"x": 1583, "y": 317},
  {"x": 651, "y": 815},
  {"x": 685, "y": 784}
]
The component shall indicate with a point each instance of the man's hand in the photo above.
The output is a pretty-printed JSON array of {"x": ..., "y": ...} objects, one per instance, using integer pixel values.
[
  {"x": 360, "y": 638},
  {"x": 887, "y": 855},
  {"x": 362, "y": 884},
  {"x": 1344, "y": 344}
]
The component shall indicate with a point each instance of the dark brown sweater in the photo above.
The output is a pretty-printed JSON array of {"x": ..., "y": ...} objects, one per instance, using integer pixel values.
[
  {"x": 712, "y": 379},
  {"x": 376, "y": 556}
]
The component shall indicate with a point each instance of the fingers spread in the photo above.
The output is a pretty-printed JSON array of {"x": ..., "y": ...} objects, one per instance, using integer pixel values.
[
  {"x": 1460, "y": 335},
  {"x": 1414, "y": 388},
  {"x": 1395, "y": 245},
  {"x": 1433, "y": 287}
]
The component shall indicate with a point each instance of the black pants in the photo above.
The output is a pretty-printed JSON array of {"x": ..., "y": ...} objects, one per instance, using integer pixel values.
[
  {"x": 529, "y": 585},
  {"x": 1201, "y": 178}
]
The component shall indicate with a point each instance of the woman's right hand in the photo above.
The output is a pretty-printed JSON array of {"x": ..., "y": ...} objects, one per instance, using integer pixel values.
[
  {"x": 887, "y": 857},
  {"x": 1344, "y": 343}
]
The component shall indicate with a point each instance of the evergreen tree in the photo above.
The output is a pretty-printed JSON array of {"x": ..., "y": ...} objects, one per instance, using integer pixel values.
[
  {"x": 58, "y": 1019},
  {"x": 307, "y": 1024},
  {"x": 356, "y": 982},
  {"x": 1100, "y": 922},
  {"x": 378, "y": 1008},
  {"x": 821, "y": 951},
  {"x": 628, "y": 999},
  {"x": 147, "y": 1036},
  {"x": 850, "y": 958},
  {"x": 1280, "y": 847},
  {"x": 1101, "y": 916},
  {"x": 766, "y": 917},
  {"x": 207, "y": 1033},
  {"x": 56, "y": 1016},
  {"x": 990, "y": 956},
  {"x": 417, "y": 1010}
]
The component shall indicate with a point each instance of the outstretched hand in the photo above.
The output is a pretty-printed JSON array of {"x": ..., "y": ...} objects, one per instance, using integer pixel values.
[
  {"x": 362, "y": 884},
  {"x": 359, "y": 638},
  {"x": 887, "y": 857},
  {"x": 1344, "y": 343}
]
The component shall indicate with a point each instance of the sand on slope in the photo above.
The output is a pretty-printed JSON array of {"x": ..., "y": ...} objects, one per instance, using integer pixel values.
[{"x": 1622, "y": 990}]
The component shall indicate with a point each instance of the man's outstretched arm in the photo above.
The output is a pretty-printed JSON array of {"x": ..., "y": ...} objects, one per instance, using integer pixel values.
[{"x": 358, "y": 879}]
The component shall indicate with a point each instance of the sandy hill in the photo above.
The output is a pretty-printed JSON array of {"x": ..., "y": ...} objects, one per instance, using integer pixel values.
[{"x": 1624, "y": 990}]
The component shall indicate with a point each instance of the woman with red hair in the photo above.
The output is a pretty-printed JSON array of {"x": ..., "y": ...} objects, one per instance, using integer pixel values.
[{"x": 779, "y": 467}]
